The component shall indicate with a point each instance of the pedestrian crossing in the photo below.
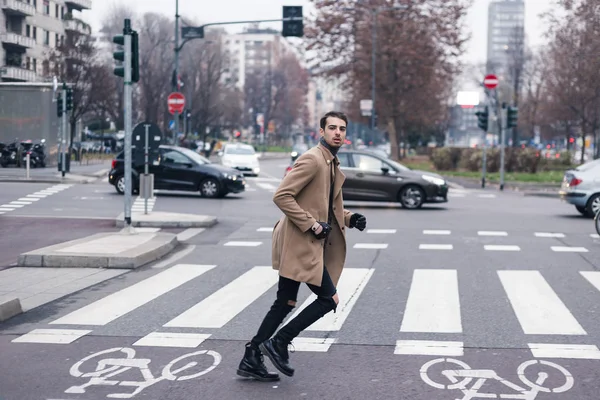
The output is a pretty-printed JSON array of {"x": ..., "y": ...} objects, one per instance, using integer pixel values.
[
  {"x": 32, "y": 198},
  {"x": 462, "y": 241},
  {"x": 434, "y": 302}
]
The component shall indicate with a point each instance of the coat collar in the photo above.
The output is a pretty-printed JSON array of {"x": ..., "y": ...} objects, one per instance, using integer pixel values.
[{"x": 327, "y": 155}]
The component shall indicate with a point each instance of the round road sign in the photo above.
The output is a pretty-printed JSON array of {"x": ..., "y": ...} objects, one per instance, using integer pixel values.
[
  {"x": 490, "y": 81},
  {"x": 176, "y": 103}
]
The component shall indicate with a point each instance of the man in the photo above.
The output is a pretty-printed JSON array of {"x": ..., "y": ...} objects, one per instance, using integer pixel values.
[{"x": 309, "y": 245}]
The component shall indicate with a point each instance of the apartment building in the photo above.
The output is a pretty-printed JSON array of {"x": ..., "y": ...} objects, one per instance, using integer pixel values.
[
  {"x": 30, "y": 29},
  {"x": 506, "y": 32}
]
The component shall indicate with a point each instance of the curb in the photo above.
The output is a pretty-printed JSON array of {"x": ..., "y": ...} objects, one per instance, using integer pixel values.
[
  {"x": 10, "y": 308},
  {"x": 185, "y": 221},
  {"x": 54, "y": 256}
]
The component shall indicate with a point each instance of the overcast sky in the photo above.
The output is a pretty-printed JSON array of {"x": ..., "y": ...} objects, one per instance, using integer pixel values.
[{"x": 238, "y": 10}]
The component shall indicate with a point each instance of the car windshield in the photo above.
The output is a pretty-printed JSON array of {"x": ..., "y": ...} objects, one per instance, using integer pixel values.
[
  {"x": 397, "y": 165},
  {"x": 194, "y": 156},
  {"x": 241, "y": 150}
]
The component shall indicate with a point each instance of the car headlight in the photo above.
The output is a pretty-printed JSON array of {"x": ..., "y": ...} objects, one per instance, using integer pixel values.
[
  {"x": 229, "y": 176},
  {"x": 434, "y": 180}
]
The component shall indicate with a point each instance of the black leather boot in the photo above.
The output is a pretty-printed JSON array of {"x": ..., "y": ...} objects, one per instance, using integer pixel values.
[
  {"x": 276, "y": 349},
  {"x": 253, "y": 366}
]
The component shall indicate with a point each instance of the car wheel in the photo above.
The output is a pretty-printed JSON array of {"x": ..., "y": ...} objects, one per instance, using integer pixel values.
[
  {"x": 411, "y": 196},
  {"x": 210, "y": 188},
  {"x": 120, "y": 185},
  {"x": 581, "y": 209},
  {"x": 592, "y": 206}
]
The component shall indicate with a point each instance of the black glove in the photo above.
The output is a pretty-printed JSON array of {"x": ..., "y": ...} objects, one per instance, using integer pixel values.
[
  {"x": 324, "y": 232},
  {"x": 358, "y": 221}
]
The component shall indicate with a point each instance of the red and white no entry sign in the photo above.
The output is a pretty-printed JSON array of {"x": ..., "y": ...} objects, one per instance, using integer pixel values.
[
  {"x": 490, "y": 81},
  {"x": 176, "y": 103}
]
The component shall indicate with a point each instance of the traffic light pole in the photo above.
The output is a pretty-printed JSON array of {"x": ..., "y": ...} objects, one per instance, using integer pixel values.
[
  {"x": 177, "y": 49},
  {"x": 502, "y": 140},
  {"x": 127, "y": 93},
  {"x": 64, "y": 131}
]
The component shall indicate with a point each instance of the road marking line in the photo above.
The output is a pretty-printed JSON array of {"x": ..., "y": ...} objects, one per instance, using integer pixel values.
[
  {"x": 568, "y": 249},
  {"x": 264, "y": 230},
  {"x": 595, "y": 235},
  {"x": 429, "y": 348},
  {"x": 486, "y": 196},
  {"x": 37, "y": 196},
  {"x": 492, "y": 233},
  {"x": 456, "y": 195},
  {"x": 436, "y": 247},
  {"x": 189, "y": 233},
  {"x": 171, "y": 339},
  {"x": 500, "y": 247},
  {"x": 384, "y": 231},
  {"x": 372, "y": 246},
  {"x": 12, "y": 205},
  {"x": 549, "y": 235},
  {"x": 25, "y": 203},
  {"x": 592, "y": 277},
  {"x": 552, "y": 350},
  {"x": 433, "y": 304},
  {"x": 266, "y": 186},
  {"x": 538, "y": 308},
  {"x": 436, "y": 232},
  {"x": 7, "y": 209},
  {"x": 223, "y": 305},
  {"x": 124, "y": 301},
  {"x": 352, "y": 283},
  {"x": 243, "y": 244},
  {"x": 313, "y": 344},
  {"x": 30, "y": 199},
  {"x": 54, "y": 336}
]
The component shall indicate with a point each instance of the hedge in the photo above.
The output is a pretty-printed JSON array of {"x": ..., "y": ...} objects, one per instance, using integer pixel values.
[{"x": 515, "y": 160}]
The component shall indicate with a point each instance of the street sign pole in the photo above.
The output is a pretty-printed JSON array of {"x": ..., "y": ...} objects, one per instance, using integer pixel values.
[
  {"x": 146, "y": 145},
  {"x": 64, "y": 130},
  {"x": 127, "y": 93},
  {"x": 484, "y": 158},
  {"x": 502, "y": 139},
  {"x": 177, "y": 49}
]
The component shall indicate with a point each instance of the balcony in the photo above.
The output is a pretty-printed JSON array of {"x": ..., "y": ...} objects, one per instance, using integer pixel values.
[
  {"x": 10, "y": 73},
  {"x": 79, "y": 26},
  {"x": 14, "y": 39},
  {"x": 79, "y": 4},
  {"x": 17, "y": 8}
]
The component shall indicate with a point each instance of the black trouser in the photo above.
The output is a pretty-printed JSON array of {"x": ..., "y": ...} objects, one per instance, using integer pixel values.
[{"x": 287, "y": 294}]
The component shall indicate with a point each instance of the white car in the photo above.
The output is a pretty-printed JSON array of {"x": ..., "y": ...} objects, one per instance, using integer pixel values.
[{"x": 241, "y": 157}]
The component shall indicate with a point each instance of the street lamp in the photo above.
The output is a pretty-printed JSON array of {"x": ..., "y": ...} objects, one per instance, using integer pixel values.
[{"x": 374, "y": 14}]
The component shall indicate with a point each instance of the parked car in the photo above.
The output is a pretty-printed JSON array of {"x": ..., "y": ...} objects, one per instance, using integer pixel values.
[
  {"x": 182, "y": 169},
  {"x": 240, "y": 156},
  {"x": 371, "y": 177},
  {"x": 581, "y": 187}
]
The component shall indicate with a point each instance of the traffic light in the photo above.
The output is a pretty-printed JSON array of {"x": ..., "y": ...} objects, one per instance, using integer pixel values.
[
  {"x": 512, "y": 115},
  {"x": 119, "y": 56},
  {"x": 135, "y": 57},
  {"x": 59, "y": 105},
  {"x": 296, "y": 26},
  {"x": 482, "y": 119},
  {"x": 69, "y": 99}
]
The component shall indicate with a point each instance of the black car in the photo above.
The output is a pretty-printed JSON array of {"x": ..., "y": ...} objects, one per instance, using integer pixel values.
[
  {"x": 182, "y": 169},
  {"x": 372, "y": 177}
]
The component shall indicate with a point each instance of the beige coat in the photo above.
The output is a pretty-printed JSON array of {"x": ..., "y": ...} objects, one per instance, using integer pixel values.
[{"x": 303, "y": 197}]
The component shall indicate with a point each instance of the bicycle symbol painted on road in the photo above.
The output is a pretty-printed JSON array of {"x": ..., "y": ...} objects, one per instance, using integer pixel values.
[
  {"x": 461, "y": 377},
  {"x": 107, "y": 368}
]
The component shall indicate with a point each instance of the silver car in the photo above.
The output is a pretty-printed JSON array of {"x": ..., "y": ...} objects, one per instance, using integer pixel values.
[{"x": 581, "y": 187}]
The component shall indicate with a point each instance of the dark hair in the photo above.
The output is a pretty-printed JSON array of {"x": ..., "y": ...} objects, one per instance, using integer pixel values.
[{"x": 335, "y": 114}]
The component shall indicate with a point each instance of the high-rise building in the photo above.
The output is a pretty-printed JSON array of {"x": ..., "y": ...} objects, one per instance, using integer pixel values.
[
  {"x": 30, "y": 29},
  {"x": 506, "y": 32}
]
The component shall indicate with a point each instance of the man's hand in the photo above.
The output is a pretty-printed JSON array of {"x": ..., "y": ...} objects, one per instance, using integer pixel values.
[
  {"x": 358, "y": 221},
  {"x": 321, "y": 229}
]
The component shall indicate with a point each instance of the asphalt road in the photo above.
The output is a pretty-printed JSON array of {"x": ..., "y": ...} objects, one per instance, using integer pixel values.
[{"x": 490, "y": 293}]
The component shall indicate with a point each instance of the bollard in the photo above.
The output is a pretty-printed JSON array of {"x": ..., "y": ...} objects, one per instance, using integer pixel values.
[{"x": 27, "y": 164}]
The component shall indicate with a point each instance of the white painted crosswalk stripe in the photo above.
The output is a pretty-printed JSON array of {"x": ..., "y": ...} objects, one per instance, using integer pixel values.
[
  {"x": 571, "y": 351},
  {"x": 172, "y": 339},
  {"x": 124, "y": 301},
  {"x": 436, "y": 247},
  {"x": 382, "y": 231},
  {"x": 492, "y": 233},
  {"x": 500, "y": 247},
  {"x": 429, "y": 348},
  {"x": 592, "y": 277},
  {"x": 352, "y": 283},
  {"x": 223, "y": 305},
  {"x": 372, "y": 246},
  {"x": 264, "y": 230},
  {"x": 538, "y": 308},
  {"x": 436, "y": 232},
  {"x": 51, "y": 336},
  {"x": 549, "y": 235},
  {"x": 243, "y": 244},
  {"x": 433, "y": 303},
  {"x": 266, "y": 186},
  {"x": 568, "y": 249}
]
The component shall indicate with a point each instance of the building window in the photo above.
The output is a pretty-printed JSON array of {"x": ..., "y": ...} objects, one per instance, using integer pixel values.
[
  {"x": 46, "y": 38},
  {"x": 56, "y": 12},
  {"x": 28, "y": 30},
  {"x": 47, "y": 7},
  {"x": 57, "y": 42},
  {"x": 35, "y": 65},
  {"x": 35, "y": 33}
]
